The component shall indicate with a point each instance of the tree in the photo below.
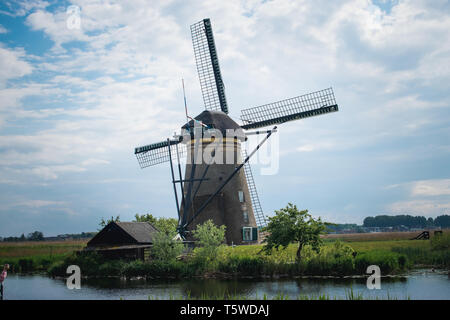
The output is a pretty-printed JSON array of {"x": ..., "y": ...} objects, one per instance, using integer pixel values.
[
  {"x": 103, "y": 223},
  {"x": 35, "y": 236},
  {"x": 369, "y": 222},
  {"x": 209, "y": 237},
  {"x": 442, "y": 221},
  {"x": 291, "y": 225},
  {"x": 145, "y": 218},
  {"x": 165, "y": 248},
  {"x": 166, "y": 225},
  {"x": 383, "y": 221}
]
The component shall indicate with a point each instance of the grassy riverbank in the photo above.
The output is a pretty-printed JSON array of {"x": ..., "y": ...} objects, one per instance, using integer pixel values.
[
  {"x": 33, "y": 256},
  {"x": 337, "y": 258}
]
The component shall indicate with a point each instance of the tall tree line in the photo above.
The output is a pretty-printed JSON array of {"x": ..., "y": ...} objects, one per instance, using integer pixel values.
[{"x": 382, "y": 221}]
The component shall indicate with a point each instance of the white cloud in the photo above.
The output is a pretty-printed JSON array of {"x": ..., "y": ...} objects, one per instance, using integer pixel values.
[
  {"x": 40, "y": 203},
  {"x": 319, "y": 146},
  {"x": 424, "y": 188},
  {"x": 91, "y": 162},
  {"x": 425, "y": 197},
  {"x": 436, "y": 187},
  {"x": 3, "y": 29},
  {"x": 18, "y": 202},
  {"x": 51, "y": 172},
  {"x": 307, "y": 148},
  {"x": 12, "y": 64},
  {"x": 20, "y": 8},
  {"x": 419, "y": 207},
  {"x": 55, "y": 26}
]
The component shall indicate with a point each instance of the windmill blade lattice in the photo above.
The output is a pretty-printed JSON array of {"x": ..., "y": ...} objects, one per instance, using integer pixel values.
[
  {"x": 208, "y": 68},
  {"x": 257, "y": 209},
  {"x": 308, "y": 105},
  {"x": 157, "y": 153}
]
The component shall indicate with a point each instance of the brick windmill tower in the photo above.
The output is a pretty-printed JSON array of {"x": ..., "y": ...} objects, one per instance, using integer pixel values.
[{"x": 218, "y": 182}]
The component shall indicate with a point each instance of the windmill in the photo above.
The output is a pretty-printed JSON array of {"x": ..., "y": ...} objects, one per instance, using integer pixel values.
[{"x": 223, "y": 190}]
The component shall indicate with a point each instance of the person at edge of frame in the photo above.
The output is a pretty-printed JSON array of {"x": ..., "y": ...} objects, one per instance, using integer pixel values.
[{"x": 2, "y": 278}]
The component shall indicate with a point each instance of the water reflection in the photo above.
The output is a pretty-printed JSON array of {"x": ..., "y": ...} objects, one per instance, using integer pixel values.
[
  {"x": 420, "y": 284},
  {"x": 217, "y": 288}
]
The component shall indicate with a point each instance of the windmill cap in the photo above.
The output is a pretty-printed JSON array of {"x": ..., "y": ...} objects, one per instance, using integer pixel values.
[{"x": 217, "y": 120}]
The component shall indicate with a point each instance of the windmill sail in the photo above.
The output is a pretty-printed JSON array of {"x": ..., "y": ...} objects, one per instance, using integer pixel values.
[
  {"x": 157, "y": 153},
  {"x": 211, "y": 83},
  {"x": 308, "y": 105},
  {"x": 257, "y": 210}
]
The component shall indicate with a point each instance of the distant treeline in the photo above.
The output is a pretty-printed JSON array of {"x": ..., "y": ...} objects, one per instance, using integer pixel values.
[
  {"x": 39, "y": 236},
  {"x": 384, "y": 221},
  {"x": 340, "y": 227},
  {"x": 33, "y": 236}
]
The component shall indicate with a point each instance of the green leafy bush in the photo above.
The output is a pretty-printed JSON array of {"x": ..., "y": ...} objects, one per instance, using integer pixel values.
[
  {"x": 25, "y": 265},
  {"x": 441, "y": 242},
  {"x": 135, "y": 268},
  {"x": 424, "y": 256},
  {"x": 165, "y": 248},
  {"x": 387, "y": 261},
  {"x": 89, "y": 263},
  {"x": 210, "y": 237},
  {"x": 253, "y": 266},
  {"x": 57, "y": 269},
  {"x": 114, "y": 268}
]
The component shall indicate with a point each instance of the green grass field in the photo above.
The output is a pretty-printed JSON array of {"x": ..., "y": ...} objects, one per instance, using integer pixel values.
[
  {"x": 336, "y": 256},
  {"x": 358, "y": 246},
  {"x": 36, "y": 256}
]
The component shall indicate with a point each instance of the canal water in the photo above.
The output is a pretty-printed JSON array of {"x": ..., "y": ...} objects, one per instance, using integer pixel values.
[{"x": 418, "y": 284}]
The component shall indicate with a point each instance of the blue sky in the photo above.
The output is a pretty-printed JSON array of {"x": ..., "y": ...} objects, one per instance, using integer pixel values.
[{"x": 75, "y": 102}]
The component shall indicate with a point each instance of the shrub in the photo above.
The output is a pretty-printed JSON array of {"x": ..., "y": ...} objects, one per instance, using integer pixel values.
[
  {"x": 425, "y": 256},
  {"x": 440, "y": 242},
  {"x": 245, "y": 265},
  {"x": 386, "y": 260},
  {"x": 165, "y": 248},
  {"x": 135, "y": 268},
  {"x": 45, "y": 263},
  {"x": 209, "y": 237},
  {"x": 57, "y": 269},
  {"x": 111, "y": 268},
  {"x": 174, "y": 269},
  {"x": 89, "y": 263},
  {"x": 25, "y": 265}
]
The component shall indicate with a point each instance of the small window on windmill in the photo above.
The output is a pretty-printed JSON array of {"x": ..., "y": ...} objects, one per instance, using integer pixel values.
[
  {"x": 245, "y": 215},
  {"x": 241, "y": 196},
  {"x": 247, "y": 233}
]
